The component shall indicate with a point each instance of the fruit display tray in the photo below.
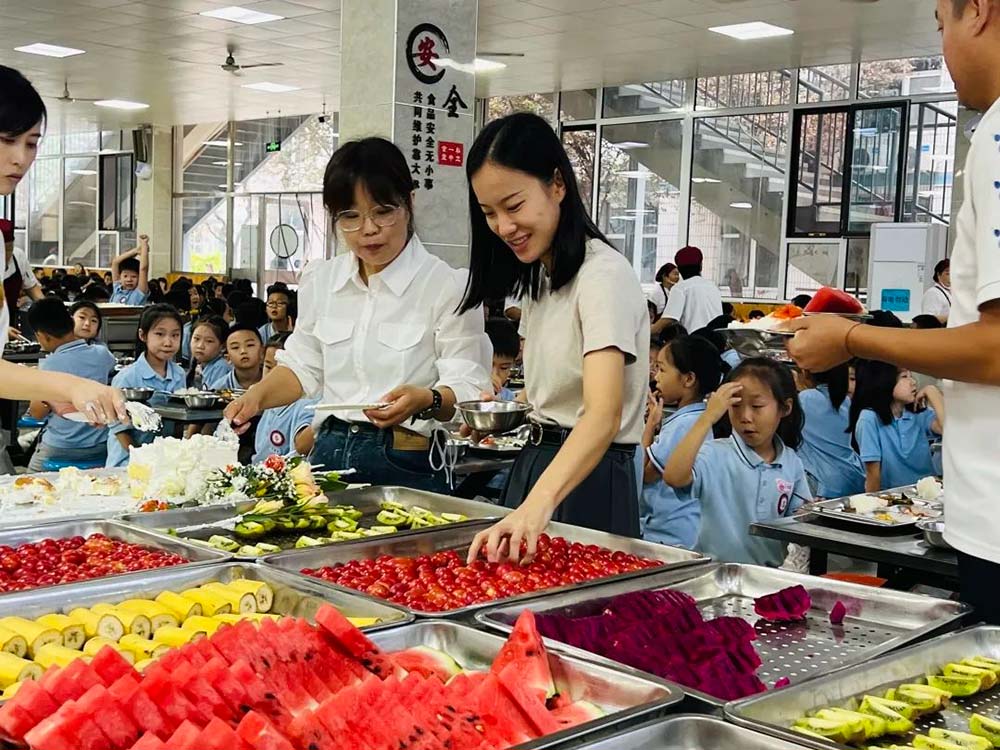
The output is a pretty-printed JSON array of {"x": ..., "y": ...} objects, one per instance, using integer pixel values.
[
  {"x": 878, "y": 620},
  {"x": 773, "y": 713},
  {"x": 689, "y": 732},
  {"x": 625, "y": 695},
  {"x": 455, "y": 537},
  {"x": 196, "y": 554},
  {"x": 367, "y": 500},
  {"x": 293, "y": 595}
]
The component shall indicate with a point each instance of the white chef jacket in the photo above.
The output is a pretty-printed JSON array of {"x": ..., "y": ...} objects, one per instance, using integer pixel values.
[
  {"x": 353, "y": 343},
  {"x": 971, "y": 469},
  {"x": 936, "y": 302},
  {"x": 27, "y": 275},
  {"x": 694, "y": 303}
]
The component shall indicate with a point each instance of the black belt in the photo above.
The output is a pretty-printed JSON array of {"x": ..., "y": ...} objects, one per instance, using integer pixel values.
[{"x": 557, "y": 436}]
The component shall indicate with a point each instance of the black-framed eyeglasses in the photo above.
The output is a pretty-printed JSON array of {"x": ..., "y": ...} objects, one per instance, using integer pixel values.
[{"x": 381, "y": 216}]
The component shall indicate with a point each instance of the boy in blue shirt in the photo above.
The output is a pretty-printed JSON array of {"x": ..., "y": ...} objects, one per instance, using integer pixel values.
[
  {"x": 285, "y": 429},
  {"x": 130, "y": 275},
  {"x": 245, "y": 352},
  {"x": 506, "y": 346},
  {"x": 281, "y": 312},
  {"x": 64, "y": 439}
]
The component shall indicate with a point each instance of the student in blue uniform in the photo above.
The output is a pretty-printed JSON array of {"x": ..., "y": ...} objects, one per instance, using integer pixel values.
[
  {"x": 688, "y": 370},
  {"x": 284, "y": 429},
  {"x": 753, "y": 475},
  {"x": 87, "y": 320},
  {"x": 892, "y": 429},
  {"x": 160, "y": 335},
  {"x": 63, "y": 439},
  {"x": 833, "y": 468},
  {"x": 245, "y": 352},
  {"x": 281, "y": 312},
  {"x": 208, "y": 361},
  {"x": 506, "y": 346},
  {"x": 130, "y": 275}
]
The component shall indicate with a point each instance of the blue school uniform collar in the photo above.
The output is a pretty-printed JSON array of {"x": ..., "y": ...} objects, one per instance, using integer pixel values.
[
  {"x": 70, "y": 345},
  {"x": 397, "y": 276},
  {"x": 146, "y": 371},
  {"x": 752, "y": 459}
]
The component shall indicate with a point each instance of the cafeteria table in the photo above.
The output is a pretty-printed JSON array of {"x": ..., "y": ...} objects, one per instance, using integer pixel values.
[{"x": 902, "y": 555}]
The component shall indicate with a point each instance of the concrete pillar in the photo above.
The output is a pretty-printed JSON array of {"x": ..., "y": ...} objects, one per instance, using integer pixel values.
[
  {"x": 154, "y": 203},
  {"x": 407, "y": 74}
]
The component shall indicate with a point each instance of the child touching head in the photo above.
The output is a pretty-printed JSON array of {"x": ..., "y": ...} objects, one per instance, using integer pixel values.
[
  {"x": 892, "y": 423},
  {"x": 208, "y": 364},
  {"x": 86, "y": 320},
  {"x": 687, "y": 370},
  {"x": 753, "y": 475},
  {"x": 506, "y": 346}
]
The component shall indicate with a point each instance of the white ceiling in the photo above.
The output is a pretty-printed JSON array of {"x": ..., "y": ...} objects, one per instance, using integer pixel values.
[{"x": 568, "y": 44}]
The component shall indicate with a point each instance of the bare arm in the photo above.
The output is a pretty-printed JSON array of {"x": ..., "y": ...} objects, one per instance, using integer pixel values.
[
  {"x": 305, "y": 441},
  {"x": 654, "y": 418},
  {"x": 35, "y": 292},
  {"x": 280, "y": 388},
  {"x": 935, "y": 399},
  {"x": 144, "y": 264},
  {"x": 873, "y": 476}
]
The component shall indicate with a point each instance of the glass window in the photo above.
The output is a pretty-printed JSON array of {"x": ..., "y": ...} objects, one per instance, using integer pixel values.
[
  {"x": 203, "y": 234},
  {"x": 581, "y": 146},
  {"x": 824, "y": 83},
  {"x": 80, "y": 211},
  {"x": 306, "y": 147},
  {"x": 578, "y": 105},
  {"x": 116, "y": 192},
  {"x": 811, "y": 265},
  {"x": 906, "y": 77},
  {"x": 766, "y": 89},
  {"x": 46, "y": 182},
  {"x": 822, "y": 143},
  {"x": 639, "y": 204},
  {"x": 875, "y": 167},
  {"x": 283, "y": 261},
  {"x": 737, "y": 197},
  {"x": 543, "y": 105},
  {"x": 930, "y": 163},
  {"x": 201, "y": 152},
  {"x": 656, "y": 98},
  {"x": 82, "y": 142}
]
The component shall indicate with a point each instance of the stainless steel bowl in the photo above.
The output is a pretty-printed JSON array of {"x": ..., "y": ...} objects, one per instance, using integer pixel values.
[
  {"x": 493, "y": 417},
  {"x": 934, "y": 533},
  {"x": 142, "y": 395},
  {"x": 201, "y": 401}
]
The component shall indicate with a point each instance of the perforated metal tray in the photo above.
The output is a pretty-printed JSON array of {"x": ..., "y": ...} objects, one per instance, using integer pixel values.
[
  {"x": 774, "y": 713},
  {"x": 689, "y": 732},
  {"x": 879, "y": 619}
]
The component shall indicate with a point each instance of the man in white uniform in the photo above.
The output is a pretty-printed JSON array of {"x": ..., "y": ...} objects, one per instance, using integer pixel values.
[
  {"x": 695, "y": 301},
  {"x": 968, "y": 351}
]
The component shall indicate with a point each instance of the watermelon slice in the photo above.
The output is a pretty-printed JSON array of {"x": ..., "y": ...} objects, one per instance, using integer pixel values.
[
  {"x": 52, "y": 734},
  {"x": 109, "y": 665},
  {"x": 199, "y": 691},
  {"x": 829, "y": 300},
  {"x": 15, "y": 722},
  {"x": 788, "y": 605},
  {"x": 528, "y": 699},
  {"x": 524, "y": 648},
  {"x": 143, "y": 711},
  {"x": 260, "y": 734},
  {"x": 218, "y": 735},
  {"x": 427, "y": 661},
  {"x": 345, "y": 634},
  {"x": 185, "y": 738},
  {"x": 498, "y": 710},
  {"x": 117, "y": 725},
  {"x": 150, "y": 742},
  {"x": 216, "y": 672}
]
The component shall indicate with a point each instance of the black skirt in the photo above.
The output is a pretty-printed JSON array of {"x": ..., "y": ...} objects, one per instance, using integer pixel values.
[{"x": 607, "y": 500}]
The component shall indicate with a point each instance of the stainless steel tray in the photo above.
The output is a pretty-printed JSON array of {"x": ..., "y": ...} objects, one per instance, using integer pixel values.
[
  {"x": 836, "y": 509},
  {"x": 773, "y": 713},
  {"x": 293, "y": 595},
  {"x": 753, "y": 342},
  {"x": 625, "y": 695},
  {"x": 689, "y": 732},
  {"x": 879, "y": 619},
  {"x": 440, "y": 538},
  {"x": 366, "y": 499},
  {"x": 196, "y": 554}
]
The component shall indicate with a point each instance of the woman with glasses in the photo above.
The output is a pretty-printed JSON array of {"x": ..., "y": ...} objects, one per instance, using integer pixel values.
[
  {"x": 280, "y": 312},
  {"x": 377, "y": 331},
  {"x": 22, "y": 124}
]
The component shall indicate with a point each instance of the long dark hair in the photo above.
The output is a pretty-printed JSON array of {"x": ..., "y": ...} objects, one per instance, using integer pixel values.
[
  {"x": 21, "y": 107},
  {"x": 375, "y": 163},
  {"x": 86, "y": 304},
  {"x": 526, "y": 143},
  {"x": 697, "y": 355},
  {"x": 875, "y": 382},
  {"x": 778, "y": 378},
  {"x": 837, "y": 382}
]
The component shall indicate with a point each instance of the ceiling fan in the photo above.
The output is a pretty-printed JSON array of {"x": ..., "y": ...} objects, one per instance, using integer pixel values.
[
  {"x": 70, "y": 99},
  {"x": 230, "y": 65}
]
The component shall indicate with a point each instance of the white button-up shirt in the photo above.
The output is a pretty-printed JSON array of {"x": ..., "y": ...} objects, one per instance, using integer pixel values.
[{"x": 353, "y": 343}]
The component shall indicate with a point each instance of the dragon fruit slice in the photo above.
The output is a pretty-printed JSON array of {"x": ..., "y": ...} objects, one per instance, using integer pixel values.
[
  {"x": 787, "y": 605},
  {"x": 838, "y": 613}
]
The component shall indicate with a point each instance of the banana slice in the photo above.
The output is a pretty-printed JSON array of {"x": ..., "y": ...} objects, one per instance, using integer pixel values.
[
  {"x": 243, "y": 602},
  {"x": 73, "y": 633},
  {"x": 12, "y": 643},
  {"x": 56, "y": 655},
  {"x": 11, "y": 690},
  {"x": 364, "y": 622},
  {"x": 181, "y": 607},
  {"x": 36, "y": 635},
  {"x": 174, "y": 637},
  {"x": 159, "y": 615},
  {"x": 131, "y": 622},
  {"x": 202, "y": 624},
  {"x": 95, "y": 644},
  {"x": 212, "y": 602},
  {"x": 14, "y": 669},
  {"x": 261, "y": 591},
  {"x": 143, "y": 648},
  {"x": 94, "y": 624}
]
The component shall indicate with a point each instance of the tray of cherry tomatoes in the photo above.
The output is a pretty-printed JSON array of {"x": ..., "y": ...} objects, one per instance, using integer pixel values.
[{"x": 425, "y": 572}]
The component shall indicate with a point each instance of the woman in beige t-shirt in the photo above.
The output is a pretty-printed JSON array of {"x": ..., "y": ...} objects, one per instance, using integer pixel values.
[{"x": 586, "y": 332}]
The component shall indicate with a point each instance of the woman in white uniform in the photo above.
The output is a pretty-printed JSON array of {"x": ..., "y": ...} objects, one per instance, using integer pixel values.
[
  {"x": 22, "y": 121},
  {"x": 937, "y": 299},
  {"x": 586, "y": 331},
  {"x": 377, "y": 325}
]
